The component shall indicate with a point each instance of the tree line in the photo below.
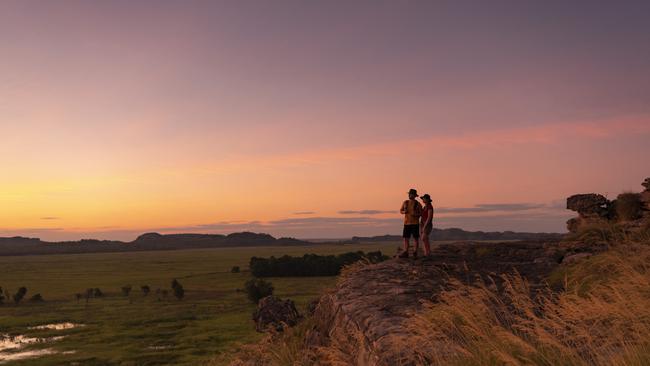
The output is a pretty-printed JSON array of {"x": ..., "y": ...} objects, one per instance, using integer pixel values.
[{"x": 309, "y": 264}]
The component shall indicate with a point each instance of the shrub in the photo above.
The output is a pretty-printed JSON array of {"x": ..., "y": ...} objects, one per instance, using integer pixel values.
[
  {"x": 126, "y": 290},
  {"x": 19, "y": 295},
  {"x": 36, "y": 298},
  {"x": 97, "y": 292},
  {"x": 629, "y": 206},
  {"x": 145, "y": 289},
  {"x": 257, "y": 289},
  {"x": 2, "y": 296},
  {"x": 179, "y": 292},
  {"x": 235, "y": 269}
]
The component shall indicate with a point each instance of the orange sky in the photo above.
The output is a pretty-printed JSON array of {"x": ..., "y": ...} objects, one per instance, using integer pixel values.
[{"x": 188, "y": 118}]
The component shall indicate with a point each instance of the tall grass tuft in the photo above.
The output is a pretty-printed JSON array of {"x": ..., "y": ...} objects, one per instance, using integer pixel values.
[
  {"x": 607, "y": 325},
  {"x": 629, "y": 206}
]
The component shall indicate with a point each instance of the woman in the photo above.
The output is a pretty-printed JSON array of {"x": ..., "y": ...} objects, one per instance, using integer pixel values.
[{"x": 426, "y": 223}]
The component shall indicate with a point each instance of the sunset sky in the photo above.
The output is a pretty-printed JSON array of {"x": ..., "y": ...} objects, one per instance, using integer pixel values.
[{"x": 313, "y": 119}]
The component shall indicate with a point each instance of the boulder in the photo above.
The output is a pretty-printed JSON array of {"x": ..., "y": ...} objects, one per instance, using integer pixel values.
[
  {"x": 274, "y": 313},
  {"x": 588, "y": 205},
  {"x": 646, "y": 184},
  {"x": 574, "y": 258}
]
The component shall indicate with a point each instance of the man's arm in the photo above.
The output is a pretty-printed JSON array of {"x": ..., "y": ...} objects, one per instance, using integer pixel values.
[{"x": 402, "y": 210}]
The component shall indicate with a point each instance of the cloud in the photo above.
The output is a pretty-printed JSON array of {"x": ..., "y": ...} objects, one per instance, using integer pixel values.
[
  {"x": 545, "y": 134},
  {"x": 50, "y": 218},
  {"x": 304, "y": 213},
  {"x": 488, "y": 207},
  {"x": 366, "y": 212}
]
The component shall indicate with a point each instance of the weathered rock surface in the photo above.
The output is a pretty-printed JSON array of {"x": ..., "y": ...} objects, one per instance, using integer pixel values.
[
  {"x": 364, "y": 315},
  {"x": 632, "y": 210},
  {"x": 274, "y": 314},
  {"x": 588, "y": 205}
]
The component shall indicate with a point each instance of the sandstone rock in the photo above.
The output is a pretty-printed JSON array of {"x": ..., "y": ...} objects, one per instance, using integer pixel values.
[
  {"x": 364, "y": 317},
  {"x": 646, "y": 184},
  {"x": 574, "y": 258},
  {"x": 573, "y": 224},
  {"x": 588, "y": 205},
  {"x": 274, "y": 314}
]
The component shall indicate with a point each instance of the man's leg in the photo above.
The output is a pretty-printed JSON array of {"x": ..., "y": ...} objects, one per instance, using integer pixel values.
[
  {"x": 405, "y": 249},
  {"x": 417, "y": 246}
]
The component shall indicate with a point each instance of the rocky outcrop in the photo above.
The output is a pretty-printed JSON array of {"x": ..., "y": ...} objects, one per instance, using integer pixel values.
[
  {"x": 363, "y": 316},
  {"x": 631, "y": 209},
  {"x": 275, "y": 314}
]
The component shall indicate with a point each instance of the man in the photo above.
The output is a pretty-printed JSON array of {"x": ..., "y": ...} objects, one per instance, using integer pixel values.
[
  {"x": 411, "y": 209},
  {"x": 426, "y": 223}
]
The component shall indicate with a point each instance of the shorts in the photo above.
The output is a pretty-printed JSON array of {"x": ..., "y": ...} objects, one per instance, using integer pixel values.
[
  {"x": 411, "y": 230},
  {"x": 427, "y": 230}
]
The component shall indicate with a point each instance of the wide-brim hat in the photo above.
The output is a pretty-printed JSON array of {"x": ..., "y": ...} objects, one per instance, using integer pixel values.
[
  {"x": 426, "y": 197},
  {"x": 413, "y": 191}
]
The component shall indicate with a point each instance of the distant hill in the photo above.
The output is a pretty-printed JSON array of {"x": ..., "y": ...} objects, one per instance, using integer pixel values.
[
  {"x": 155, "y": 241},
  {"x": 148, "y": 241},
  {"x": 460, "y": 234}
]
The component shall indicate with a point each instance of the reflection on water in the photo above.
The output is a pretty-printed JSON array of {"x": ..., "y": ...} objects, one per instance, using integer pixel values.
[
  {"x": 57, "y": 326},
  {"x": 11, "y": 346},
  {"x": 15, "y": 356}
]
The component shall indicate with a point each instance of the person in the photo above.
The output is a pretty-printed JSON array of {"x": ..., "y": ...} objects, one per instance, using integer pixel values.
[
  {"x": 411, "y": 209},
  {"x": 426, "y": 223}
]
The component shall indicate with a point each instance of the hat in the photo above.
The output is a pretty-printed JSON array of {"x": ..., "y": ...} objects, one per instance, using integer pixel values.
[
  {"x": 413, "y": 191},
  {"x": 426, "y": 197}
]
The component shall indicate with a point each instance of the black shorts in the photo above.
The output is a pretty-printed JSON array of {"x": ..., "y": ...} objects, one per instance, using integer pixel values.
[{"x": 411, "y": 230}]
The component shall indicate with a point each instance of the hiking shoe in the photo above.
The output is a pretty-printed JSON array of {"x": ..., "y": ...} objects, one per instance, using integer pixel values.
[{"x": 405, "y": 254}]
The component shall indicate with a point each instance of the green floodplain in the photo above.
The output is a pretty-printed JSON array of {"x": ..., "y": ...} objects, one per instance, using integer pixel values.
[{"x": 210, "y": 323}]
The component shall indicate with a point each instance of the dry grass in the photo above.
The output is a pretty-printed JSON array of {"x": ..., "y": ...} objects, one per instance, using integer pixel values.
[
  {"x": 629, "y": 206},
  {"x": 609, "y": 234},
  {"x": 607, "y": 325},
  {"x": 601, "y": 317}
]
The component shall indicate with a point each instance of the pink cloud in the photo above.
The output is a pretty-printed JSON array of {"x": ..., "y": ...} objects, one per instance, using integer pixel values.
[{"x": 545, "y": 134}]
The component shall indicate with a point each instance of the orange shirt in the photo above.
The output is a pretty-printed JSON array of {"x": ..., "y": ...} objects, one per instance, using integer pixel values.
[{"x": 413, "y": 211}]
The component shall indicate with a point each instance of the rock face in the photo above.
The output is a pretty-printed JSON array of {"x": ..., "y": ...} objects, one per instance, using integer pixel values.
[
  {"x": 632, "y": 209},
  {"x": 588, "y": 205},
  {"x": 274, "y": 314},
  {"x": 363, "y": 317}
]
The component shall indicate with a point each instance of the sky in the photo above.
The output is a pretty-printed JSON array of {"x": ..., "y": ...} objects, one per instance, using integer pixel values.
[{"x": 312, "y": 119}]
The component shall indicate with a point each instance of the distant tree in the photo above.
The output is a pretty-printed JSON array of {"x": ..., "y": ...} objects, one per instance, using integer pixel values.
[
  {"x": 179, "y": 292},
  {"x": 2, "y": 296},
  {"x": 126, "y": 290},
  {"x": 78, "y": 296},
  {"x": 162, "y": 294},
  {"x": 36, "y": 298},
  {"x": 18, "y": 296},
  {"x": 89, "y": 294},
  {"x": 235, "y": 269},
  {"x": 145, "y": 289},
  {"x": 257, "y": 289},
  {"x": 97, "y": 292}
]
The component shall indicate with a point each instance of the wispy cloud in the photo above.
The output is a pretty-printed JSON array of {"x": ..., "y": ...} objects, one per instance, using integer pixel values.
[
  {"x": 488, "y": 207},
  {"x": 304, "y": 213},
  {"x": 50, "y": 218},
  {"x": 366, "y": 212},
  {"x": 545, "y": 134}
]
